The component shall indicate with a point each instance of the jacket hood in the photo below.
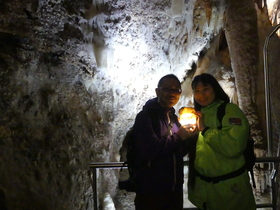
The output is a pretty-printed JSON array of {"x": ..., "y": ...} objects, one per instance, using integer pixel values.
[{"x": 153, "y": 105}]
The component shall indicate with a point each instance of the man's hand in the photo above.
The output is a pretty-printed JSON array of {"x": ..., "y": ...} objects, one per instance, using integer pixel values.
[{"x": 186, "y": 131}]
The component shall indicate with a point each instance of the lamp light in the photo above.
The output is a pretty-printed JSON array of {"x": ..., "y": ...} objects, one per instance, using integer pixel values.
[{"x": 188, "y": 117}]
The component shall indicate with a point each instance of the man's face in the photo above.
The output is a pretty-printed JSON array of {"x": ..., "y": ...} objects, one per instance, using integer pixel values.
[{"x": 169, "y": 92}]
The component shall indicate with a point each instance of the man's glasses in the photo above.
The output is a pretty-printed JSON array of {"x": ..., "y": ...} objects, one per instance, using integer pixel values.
[{"x": 171, "y": 90}]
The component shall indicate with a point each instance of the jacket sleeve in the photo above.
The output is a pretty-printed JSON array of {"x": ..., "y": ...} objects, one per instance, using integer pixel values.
[
  {"x": 149, "y": 139},
  {"x": 231, "y": 140}
]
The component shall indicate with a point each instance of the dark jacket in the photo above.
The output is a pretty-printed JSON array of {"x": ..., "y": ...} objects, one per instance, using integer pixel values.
[{"x": 160, "y": 156}]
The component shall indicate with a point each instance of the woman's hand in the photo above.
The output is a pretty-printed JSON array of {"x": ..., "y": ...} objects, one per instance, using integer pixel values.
[
  {"x": 200, "y": 121},
  {"x": 186, "y": 131}
]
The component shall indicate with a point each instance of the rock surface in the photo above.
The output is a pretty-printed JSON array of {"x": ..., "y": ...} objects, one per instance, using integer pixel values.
[{"x": 75, "y": 73}]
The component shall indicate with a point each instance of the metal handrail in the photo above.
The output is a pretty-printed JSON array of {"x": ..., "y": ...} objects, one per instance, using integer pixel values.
[
  {"x": 98, "y": 165},
  {"x": 267, "y": 91}
]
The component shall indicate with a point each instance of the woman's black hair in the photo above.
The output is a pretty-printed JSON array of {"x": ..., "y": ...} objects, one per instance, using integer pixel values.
[{"x": 206, "y": 79}]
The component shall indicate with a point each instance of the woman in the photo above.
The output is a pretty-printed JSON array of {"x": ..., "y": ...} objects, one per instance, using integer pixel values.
[{"x": 218, "y": 151}]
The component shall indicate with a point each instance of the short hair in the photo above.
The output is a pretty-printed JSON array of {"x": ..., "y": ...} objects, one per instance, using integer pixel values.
[
  {"x": 170, "y": 76},
  {"x": 206, "y": 79}
]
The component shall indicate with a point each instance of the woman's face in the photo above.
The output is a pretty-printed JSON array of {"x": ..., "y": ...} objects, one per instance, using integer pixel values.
[{"x": 204, "y": 95}]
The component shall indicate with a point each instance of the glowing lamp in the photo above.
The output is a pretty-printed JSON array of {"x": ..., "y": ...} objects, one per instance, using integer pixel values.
[{"x": 187, "y": 116}]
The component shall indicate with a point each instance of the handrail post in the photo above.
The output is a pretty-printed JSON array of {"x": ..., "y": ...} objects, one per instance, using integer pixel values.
[
  {"x": 274, "y": 190},
  {"x": 267, "y": 92},
  {"x": 268, "y": 110},
  {"x": 93, "y": 169},
  {"x": 94, "y": 186}
]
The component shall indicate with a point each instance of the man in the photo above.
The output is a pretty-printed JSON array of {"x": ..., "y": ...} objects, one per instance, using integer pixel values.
[{"x": 160, "y": 142}]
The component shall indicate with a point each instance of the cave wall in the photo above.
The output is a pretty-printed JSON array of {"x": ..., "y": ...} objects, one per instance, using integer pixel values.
[
  {"x": 73, "y": 76},
  {"x": 48, "y": 123}
]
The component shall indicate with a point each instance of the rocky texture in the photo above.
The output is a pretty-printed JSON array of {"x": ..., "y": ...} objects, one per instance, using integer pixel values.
[
  {"x": 244, "y": 43},
  {"x": 75, "y": 73}
]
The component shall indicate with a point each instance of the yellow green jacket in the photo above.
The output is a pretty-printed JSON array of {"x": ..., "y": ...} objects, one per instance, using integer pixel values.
[{"x": 219, "y": 152}]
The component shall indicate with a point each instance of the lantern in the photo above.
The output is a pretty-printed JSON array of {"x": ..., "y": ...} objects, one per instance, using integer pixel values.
[{"x": 187, "y": 117}]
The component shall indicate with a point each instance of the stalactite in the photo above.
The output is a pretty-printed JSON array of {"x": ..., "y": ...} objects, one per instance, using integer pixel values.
[{"x": 208, "y": 10}]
